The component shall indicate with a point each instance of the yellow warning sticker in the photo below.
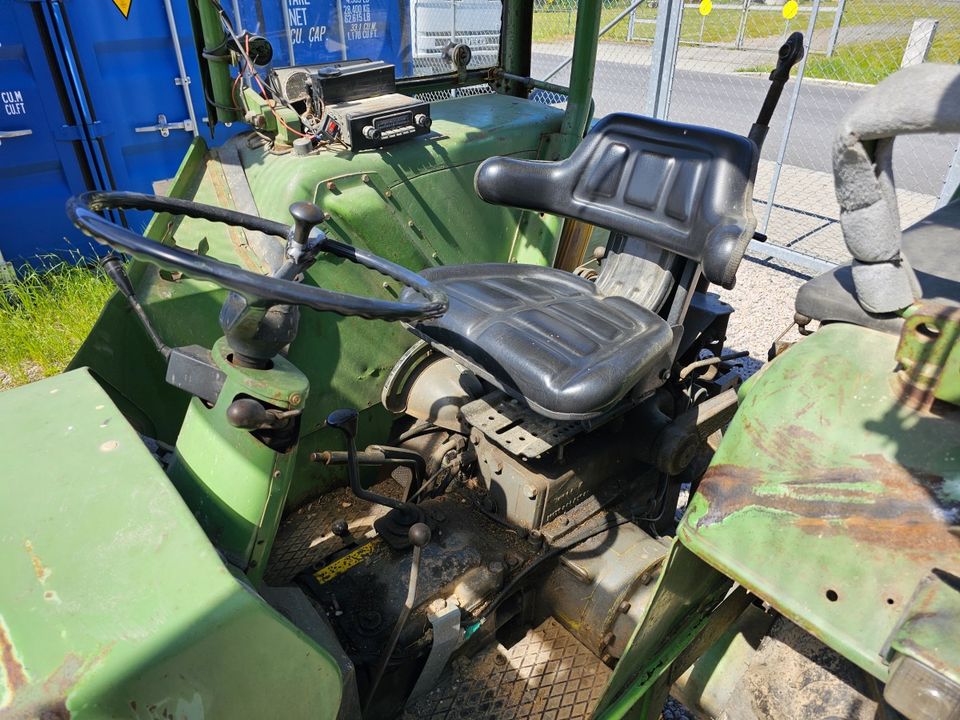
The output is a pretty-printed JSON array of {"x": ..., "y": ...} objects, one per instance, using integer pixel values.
[
  {"x": 705, "y": 7},
  {"x": 340, "y": 566},
  {"x": 790, "y": 9},
  {"x": 123, "y": 6}
]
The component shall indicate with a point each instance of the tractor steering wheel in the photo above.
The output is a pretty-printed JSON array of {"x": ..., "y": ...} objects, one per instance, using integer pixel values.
[{"x": 258, "y": 290}]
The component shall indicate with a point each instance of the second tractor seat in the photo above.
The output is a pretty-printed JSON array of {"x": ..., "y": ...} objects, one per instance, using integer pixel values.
[
  {"x": 676, "y": 198},
  {"x": 931, "y": 246}
]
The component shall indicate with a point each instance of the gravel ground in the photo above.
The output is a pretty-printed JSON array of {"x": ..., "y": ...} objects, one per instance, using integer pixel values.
[{"x": 763, "y": 304}]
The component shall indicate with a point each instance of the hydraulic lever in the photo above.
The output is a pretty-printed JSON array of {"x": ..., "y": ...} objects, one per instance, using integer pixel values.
[
  {"x": 791, "y": 52},
  {"x": 419, "y": 535}
]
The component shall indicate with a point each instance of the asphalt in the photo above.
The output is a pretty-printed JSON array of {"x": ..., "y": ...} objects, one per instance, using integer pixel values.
[{"x": 730, "y": 102}]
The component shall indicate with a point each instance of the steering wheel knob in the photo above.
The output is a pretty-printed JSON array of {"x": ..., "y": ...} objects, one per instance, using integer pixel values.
[{"x": 305, "y": 216}]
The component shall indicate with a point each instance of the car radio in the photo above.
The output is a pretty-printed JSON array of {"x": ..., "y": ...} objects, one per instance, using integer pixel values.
[{"x": 359, "y": 106}]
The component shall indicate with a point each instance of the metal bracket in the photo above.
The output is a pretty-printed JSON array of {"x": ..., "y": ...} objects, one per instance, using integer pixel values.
[
  {"x": 515, "y": 427},
  {"x": 164, "y": 127},
  {"x": 447, "y": 636}
]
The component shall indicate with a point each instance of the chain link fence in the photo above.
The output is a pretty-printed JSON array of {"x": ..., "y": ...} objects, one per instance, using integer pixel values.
[{"x": 718, "y": 77}]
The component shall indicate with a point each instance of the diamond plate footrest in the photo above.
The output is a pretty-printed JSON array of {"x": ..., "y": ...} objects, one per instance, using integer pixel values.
[{"x": 548, "y": 675}]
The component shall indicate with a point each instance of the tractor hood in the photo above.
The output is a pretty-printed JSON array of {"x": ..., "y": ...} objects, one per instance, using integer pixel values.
[{"x": 113, "y": 602}]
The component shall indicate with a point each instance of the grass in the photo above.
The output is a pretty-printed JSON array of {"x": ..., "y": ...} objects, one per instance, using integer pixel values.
[
  {"x": 871, "y": 62},
  {"x": 44, "y": 316}
]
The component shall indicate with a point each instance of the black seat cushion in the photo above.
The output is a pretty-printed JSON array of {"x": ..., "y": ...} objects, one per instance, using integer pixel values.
[
  {"x": 932, "y": 247},
  {"x": 546, "y": 337}
]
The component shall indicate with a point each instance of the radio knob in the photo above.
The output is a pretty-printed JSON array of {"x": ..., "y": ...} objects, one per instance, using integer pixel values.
[
  {"x": 371, "y": 133},
  {"x": 422, "y": 121}
]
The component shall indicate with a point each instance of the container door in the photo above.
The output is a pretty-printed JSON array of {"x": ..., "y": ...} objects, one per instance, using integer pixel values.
[
  {"x": 43, "y": 158},
  {"x": 128, "y": 71}
]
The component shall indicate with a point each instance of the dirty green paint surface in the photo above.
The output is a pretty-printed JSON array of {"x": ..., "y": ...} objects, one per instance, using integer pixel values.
[
  {"x": 688, "y": 589},
  {"x": 929, "y": 630},
  {"x": 430, "y": 181},
  {"x": 829, "y": 498},
  {"x": 113, "y": 602},
  {"x": 235, "y": 485}
]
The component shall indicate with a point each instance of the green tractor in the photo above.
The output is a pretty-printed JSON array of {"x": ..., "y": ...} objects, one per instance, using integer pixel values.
[{"x": 360, "y": 436}]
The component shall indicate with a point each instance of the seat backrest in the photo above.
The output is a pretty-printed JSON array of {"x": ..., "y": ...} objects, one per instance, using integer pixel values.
[{"x": 683, "y": 188}]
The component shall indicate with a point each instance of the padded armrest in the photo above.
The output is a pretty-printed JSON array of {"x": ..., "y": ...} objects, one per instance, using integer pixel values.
[{"x": 683, "y": 188}]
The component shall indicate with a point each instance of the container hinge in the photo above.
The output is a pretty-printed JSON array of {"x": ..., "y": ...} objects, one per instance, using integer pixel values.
[
  {"x": 163, "y": 127},
  {"x": 72, "y": 133}
]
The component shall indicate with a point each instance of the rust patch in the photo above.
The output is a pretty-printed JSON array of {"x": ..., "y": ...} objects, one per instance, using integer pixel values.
[
  {"x": 39, "y": 569},
  {"x": 16, "y": 676},
  {"x": 47, "y": 699},
  {"x": 788, "y": 447},
  {"x": 882, "y": 505}
]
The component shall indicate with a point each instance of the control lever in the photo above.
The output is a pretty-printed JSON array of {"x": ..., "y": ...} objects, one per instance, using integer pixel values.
[
  {"x": 250, "y": 414},
  {"x": 418, "y": 535},
  {"x": 395, "y": 525},
  {"x": 791, "y": 52},
  {"x": 112, "y": 265}
]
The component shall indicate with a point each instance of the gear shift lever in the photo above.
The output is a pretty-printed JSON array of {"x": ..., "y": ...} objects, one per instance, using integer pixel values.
[{"x": 392, "y": 527}]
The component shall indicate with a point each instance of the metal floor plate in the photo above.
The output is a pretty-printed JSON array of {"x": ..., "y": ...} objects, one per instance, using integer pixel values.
[
  {"x": 548, "y": 675},
  {"x": 305, "y": 537}
]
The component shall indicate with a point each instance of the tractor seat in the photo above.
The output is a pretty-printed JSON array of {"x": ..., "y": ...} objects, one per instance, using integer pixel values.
[
  {"x": 676, "y": 200},
  {"x": 547, "y": 336},
  {"x": 931, "y": 247}
]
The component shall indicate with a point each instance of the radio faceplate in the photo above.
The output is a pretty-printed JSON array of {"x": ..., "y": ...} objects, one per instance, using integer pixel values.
[{"x": 377, "y": 121}]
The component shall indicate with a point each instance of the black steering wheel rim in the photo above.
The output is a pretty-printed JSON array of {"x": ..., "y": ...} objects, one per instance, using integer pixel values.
[{"x": 258, "y": 289}]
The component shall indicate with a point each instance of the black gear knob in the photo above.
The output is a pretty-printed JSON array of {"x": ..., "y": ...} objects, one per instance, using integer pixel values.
[
  {"x": 346, "y": 420},
  {"x": 419, "y": 534},
  {"x": 305, "y": 216}
]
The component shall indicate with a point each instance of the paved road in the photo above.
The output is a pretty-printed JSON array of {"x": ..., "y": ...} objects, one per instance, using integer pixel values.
[{"x": 731, "y": 102}]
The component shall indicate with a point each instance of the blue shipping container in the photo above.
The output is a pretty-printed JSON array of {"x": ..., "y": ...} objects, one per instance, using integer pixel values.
[
  {"x": 304, "y": 32},
  {"x": 107, "y": 95}
]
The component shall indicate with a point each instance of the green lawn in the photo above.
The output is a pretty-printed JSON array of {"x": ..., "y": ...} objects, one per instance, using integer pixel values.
[
  {"x": 871, "y": 62},
  {"x": 44, "y": 316}
]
